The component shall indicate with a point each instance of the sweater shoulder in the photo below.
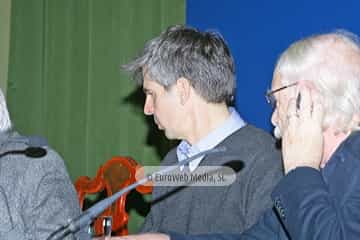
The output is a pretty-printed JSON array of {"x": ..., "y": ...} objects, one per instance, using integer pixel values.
[
  {"x": 250, "y": 138},
  {"x": 170, "y": 158}
]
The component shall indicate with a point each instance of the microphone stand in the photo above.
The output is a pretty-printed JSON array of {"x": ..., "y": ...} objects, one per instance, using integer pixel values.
[{"x": 86, "y": 217}]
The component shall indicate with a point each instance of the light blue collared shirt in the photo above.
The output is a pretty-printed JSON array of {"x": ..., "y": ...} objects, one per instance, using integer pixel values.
[{"x": 185, "y": 150}]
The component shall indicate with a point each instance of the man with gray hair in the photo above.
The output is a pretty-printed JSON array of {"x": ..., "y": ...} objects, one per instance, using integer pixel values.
[
  {"x": 188, "y": 78},
  {"x": 36, "y": 194},
  {"x": 316, "y": 98}
]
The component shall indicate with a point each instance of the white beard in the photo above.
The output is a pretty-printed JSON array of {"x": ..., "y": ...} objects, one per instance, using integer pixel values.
[{"x": 277, "y": 132}]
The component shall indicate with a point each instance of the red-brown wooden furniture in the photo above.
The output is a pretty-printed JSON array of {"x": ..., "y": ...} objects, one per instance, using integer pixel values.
[{"x": 112, "y": 176}]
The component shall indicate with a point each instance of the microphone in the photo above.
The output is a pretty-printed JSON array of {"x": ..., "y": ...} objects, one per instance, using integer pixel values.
[
  {"x": 35, "y": 152},
  {"x": 35, "y": 149},
  {"x": 86, "y": 217}
]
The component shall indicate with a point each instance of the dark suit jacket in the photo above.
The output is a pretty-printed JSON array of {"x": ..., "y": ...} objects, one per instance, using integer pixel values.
[{"x": 311, "y": 204}]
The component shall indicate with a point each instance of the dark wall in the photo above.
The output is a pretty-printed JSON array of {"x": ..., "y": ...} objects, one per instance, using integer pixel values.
[{"x": 258, "y": 31}]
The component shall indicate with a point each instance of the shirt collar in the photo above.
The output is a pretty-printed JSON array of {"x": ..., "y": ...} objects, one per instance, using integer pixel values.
[{"x": 229, "y": 126}]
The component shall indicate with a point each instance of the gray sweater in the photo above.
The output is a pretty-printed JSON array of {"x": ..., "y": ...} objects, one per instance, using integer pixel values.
[{"x": 231, "y": 209}]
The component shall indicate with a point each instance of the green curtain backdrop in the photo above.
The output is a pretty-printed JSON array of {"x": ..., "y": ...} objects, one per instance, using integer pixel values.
[
  {"x": 5, "y": 6},
  {"x": 65, "y": 82}
]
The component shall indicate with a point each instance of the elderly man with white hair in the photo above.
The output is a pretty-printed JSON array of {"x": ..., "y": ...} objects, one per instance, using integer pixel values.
[
  {"x": 316, "y": 98},
  {"x": 36, "y": 193}
]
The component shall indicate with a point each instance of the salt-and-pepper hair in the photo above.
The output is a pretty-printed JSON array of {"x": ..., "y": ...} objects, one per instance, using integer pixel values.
[
  {"x": 331, "y": 62},
  {"x": 5, "y": 123},
  {"x": 203, "y": 58}
]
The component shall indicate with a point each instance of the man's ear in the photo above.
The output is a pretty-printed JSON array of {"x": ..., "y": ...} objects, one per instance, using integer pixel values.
[{"x": 183, "y": 88}]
